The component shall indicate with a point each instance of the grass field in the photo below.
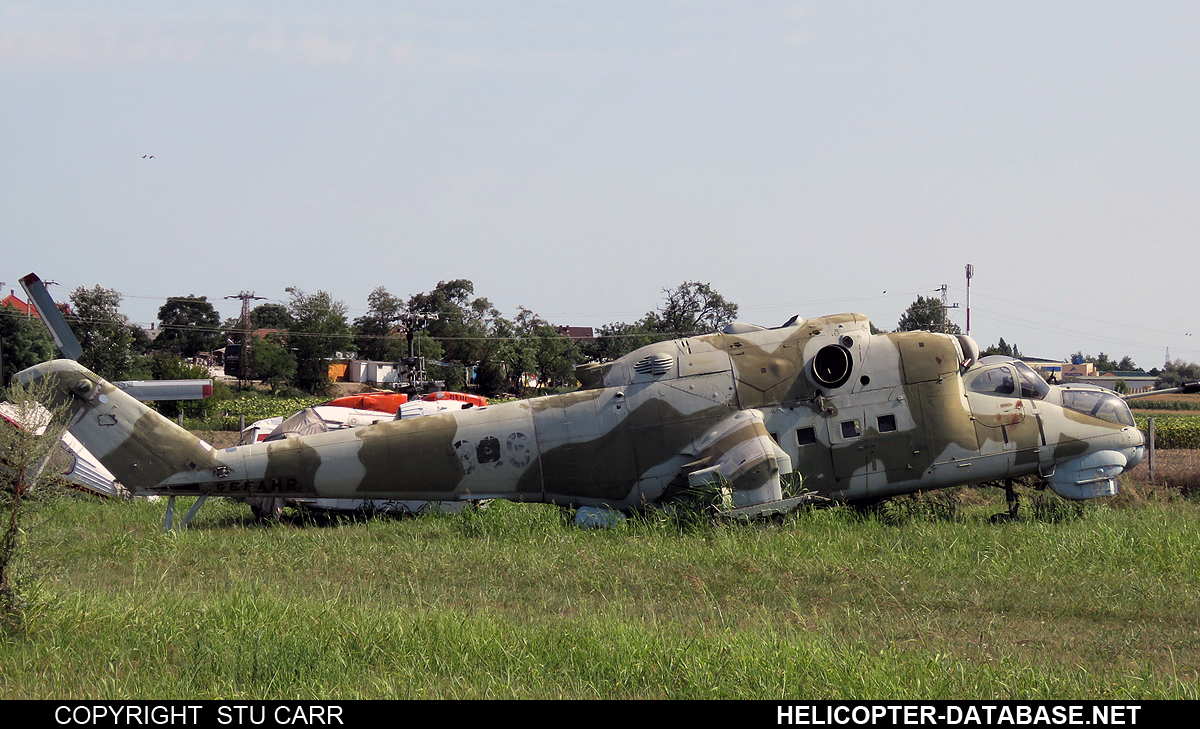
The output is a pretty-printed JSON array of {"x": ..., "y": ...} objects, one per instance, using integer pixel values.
[{"x": 924, "y": 598}]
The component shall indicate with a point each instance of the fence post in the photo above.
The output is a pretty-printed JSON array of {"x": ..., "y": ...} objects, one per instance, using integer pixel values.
[{"x": 1150, "y": 452}]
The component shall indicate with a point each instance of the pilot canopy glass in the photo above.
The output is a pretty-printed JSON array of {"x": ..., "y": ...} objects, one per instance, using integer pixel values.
[
  {"x": 1098, "y": 405},
  {"x": 1032, "y": 385},
  {"x": 1003, "y": 379},
  {"x": 997, "y": 380}
]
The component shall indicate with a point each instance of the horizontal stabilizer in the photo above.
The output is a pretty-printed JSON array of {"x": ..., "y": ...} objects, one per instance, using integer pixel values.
[{"x": 154, "y": 390}]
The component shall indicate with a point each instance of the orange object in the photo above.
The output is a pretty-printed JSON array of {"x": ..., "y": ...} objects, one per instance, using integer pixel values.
[
  {"x": 337, "y": 371},
  {"x": 383, "y": 402}
]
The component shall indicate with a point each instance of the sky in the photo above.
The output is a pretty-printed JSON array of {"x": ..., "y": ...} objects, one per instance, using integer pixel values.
[{"x": 578, "y": 158}]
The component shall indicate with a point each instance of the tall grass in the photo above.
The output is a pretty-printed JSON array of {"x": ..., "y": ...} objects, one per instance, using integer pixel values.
[{"x": 924, "y": 598}]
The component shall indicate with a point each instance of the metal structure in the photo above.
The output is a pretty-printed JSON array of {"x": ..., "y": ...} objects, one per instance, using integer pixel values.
[
  {"x": 53, "y": 318},
  {"x": 970, "y": 275},
  {"x": 246, "y": 297}
]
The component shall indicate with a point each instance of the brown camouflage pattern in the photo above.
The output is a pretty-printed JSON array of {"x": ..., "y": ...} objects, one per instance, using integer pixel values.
[{"x": 739, "y": 408}]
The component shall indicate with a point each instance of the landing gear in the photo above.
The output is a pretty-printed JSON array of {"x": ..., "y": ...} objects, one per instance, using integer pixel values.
[
  {"x": 191, "y": 514},
  {"x": 266, "y": 507},
  {"x": 1010, "y": 497}
]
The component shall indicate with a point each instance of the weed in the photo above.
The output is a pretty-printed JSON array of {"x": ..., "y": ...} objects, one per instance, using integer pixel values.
[{"x": 512, "y": 601}]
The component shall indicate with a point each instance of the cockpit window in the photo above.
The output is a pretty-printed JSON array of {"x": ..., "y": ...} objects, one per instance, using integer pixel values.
[
  {"x": 1032, "y": 386},
  {"x": 994, "y": 381},
  {"x": 1098, "y": 405}
]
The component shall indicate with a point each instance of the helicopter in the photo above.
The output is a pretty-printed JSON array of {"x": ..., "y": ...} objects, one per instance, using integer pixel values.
[{"x": 858, "y": 416}]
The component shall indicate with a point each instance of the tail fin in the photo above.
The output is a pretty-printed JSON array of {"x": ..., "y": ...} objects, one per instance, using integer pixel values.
[{"x": 140, "y": 447}]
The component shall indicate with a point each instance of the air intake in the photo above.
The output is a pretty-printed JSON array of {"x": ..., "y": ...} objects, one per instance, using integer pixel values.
[{"x": 655, "y": 364}]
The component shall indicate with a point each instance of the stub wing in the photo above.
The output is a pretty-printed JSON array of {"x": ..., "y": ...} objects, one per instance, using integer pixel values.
[{"x": 740, "y": 454}]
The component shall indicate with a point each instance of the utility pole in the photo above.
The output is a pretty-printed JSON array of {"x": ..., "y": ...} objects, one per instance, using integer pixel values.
[
  {"x": 245, "y": 297},
  {"x": 946, "y": 306},
  {"x": 970, "y": 275}
]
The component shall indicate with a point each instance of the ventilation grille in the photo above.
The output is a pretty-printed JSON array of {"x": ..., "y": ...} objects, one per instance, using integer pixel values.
[{"x": 655, "y": 364}]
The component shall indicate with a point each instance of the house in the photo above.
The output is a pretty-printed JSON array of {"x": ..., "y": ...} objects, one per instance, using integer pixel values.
[
  {"x": 576, "y": 334},
  {"x": 12, "y": 302}
]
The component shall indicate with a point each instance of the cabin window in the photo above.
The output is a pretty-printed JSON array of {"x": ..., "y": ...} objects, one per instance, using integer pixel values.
[
  {"x": 806, "y": 436},
  {"x": 886, "y": 423},
  {"x": 851, "y": 429},
  {"x": 774, "y": 437}
]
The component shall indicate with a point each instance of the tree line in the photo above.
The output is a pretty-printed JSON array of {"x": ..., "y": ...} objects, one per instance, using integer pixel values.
[{"x": 454, "y": 329}]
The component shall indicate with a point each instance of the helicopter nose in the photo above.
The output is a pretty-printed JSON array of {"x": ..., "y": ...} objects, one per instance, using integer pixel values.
[
  {"x": 1134, "y": 456},
  {"x": 1135, "y": 447}
]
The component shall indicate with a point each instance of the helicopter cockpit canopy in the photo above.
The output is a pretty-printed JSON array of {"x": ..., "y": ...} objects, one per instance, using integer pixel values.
[
  {"x": 1098, "y": 403},
  {"x": 1002, "y": 375}
]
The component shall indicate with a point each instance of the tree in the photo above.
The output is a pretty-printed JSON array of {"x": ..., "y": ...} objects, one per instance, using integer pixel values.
[
  {"x": 1176, "y": 373},
  {"x": 1003, "y": 348},
  {"x": 555, "y": 354},
  {"x": 463, "y": 322},
  {"x": 617, "y": 340},
  {"x": 1128, "y": 365},
  {"x": 103, "y": 332},
  {"x": 272, "y": 362},
  {"x": 452, "y": 374},
  {"x": 139, "y": 341},
  {"x": 30, "y": 432},
  {"x": 320, "y": 332},
  {"x": 189, "y": 325},
  {"x": 927, "y": 314},
  {"x": 464, "y": 328},
  {"x": 533, "y": 346},
  {"x": 269, "y": 316},
  {"x": 1103, "y": 363},
  {"x": 25, "y": 342},
  {"x": 373, "y": 331},
  {"x": 691, "y": 308}
]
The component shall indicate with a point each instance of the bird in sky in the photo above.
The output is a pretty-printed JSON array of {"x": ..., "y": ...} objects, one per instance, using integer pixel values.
[{"x": 147, "y": 156}]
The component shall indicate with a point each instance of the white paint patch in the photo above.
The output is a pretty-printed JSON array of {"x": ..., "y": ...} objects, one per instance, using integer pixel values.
[{"x": 340, "y": 471}]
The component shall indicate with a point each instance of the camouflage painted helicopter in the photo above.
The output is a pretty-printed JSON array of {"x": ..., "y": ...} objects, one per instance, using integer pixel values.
[{"x": 858, "y": 416}]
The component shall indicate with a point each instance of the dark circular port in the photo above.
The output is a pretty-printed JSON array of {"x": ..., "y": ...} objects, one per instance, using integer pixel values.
[{"x": 831, "y": 367}]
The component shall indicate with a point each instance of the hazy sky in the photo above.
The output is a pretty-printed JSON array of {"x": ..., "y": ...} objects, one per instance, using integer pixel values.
[{"x": 576, "y": 158}]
